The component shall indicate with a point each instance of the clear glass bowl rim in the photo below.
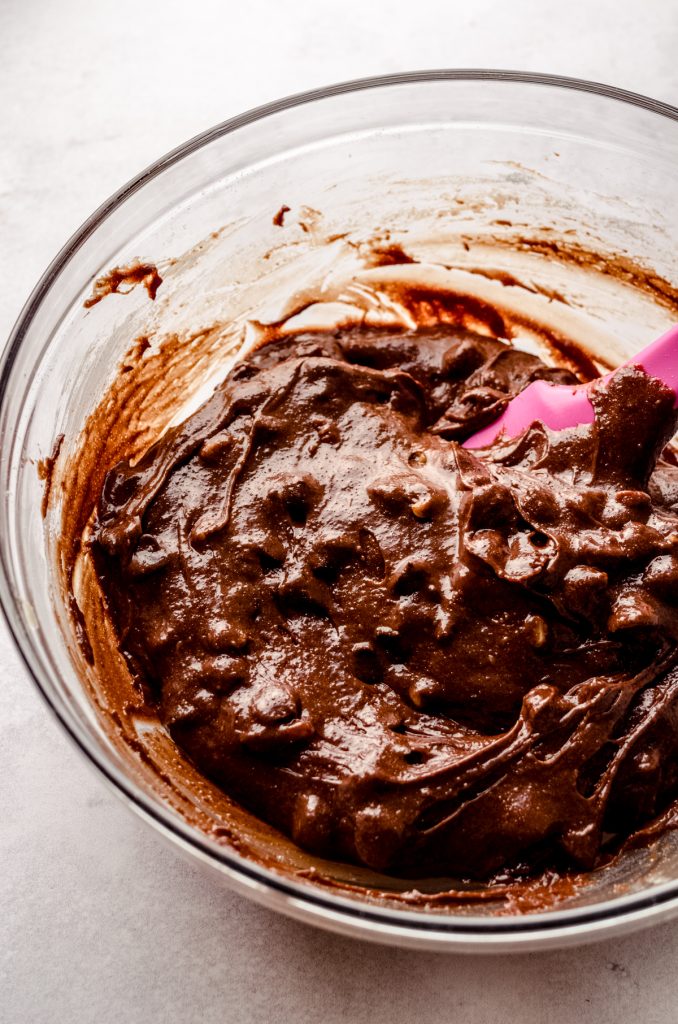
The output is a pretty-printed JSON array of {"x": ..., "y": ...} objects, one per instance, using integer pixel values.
[{"x": 340, "y": 913}]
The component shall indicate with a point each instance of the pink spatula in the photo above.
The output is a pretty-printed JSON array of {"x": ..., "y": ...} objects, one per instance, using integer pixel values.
[{"x": 558, "y": 406}]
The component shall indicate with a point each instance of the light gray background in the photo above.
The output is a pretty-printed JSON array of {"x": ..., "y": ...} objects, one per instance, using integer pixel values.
[{"x": 98, "y": 920}]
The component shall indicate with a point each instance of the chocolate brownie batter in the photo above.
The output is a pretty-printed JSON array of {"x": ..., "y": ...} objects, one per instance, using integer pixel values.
[{"x": 402, "y": 653}]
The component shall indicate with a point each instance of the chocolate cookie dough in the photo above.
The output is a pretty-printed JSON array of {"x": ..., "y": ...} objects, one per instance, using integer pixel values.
[{"x": 401, "y": 653}]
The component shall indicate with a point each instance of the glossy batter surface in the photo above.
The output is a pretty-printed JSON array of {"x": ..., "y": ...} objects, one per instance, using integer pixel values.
[{"x": 402, "y": 653}]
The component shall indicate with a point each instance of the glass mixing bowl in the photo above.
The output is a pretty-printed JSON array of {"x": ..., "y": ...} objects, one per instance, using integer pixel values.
[{"x": 566, "y": 188}]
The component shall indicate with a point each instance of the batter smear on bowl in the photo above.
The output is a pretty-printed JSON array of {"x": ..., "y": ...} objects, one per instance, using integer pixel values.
[{"x": 404, "y": 654}]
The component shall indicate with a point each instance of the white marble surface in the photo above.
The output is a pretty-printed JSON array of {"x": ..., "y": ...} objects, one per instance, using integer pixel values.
[{"x": 98, "y": 920}]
